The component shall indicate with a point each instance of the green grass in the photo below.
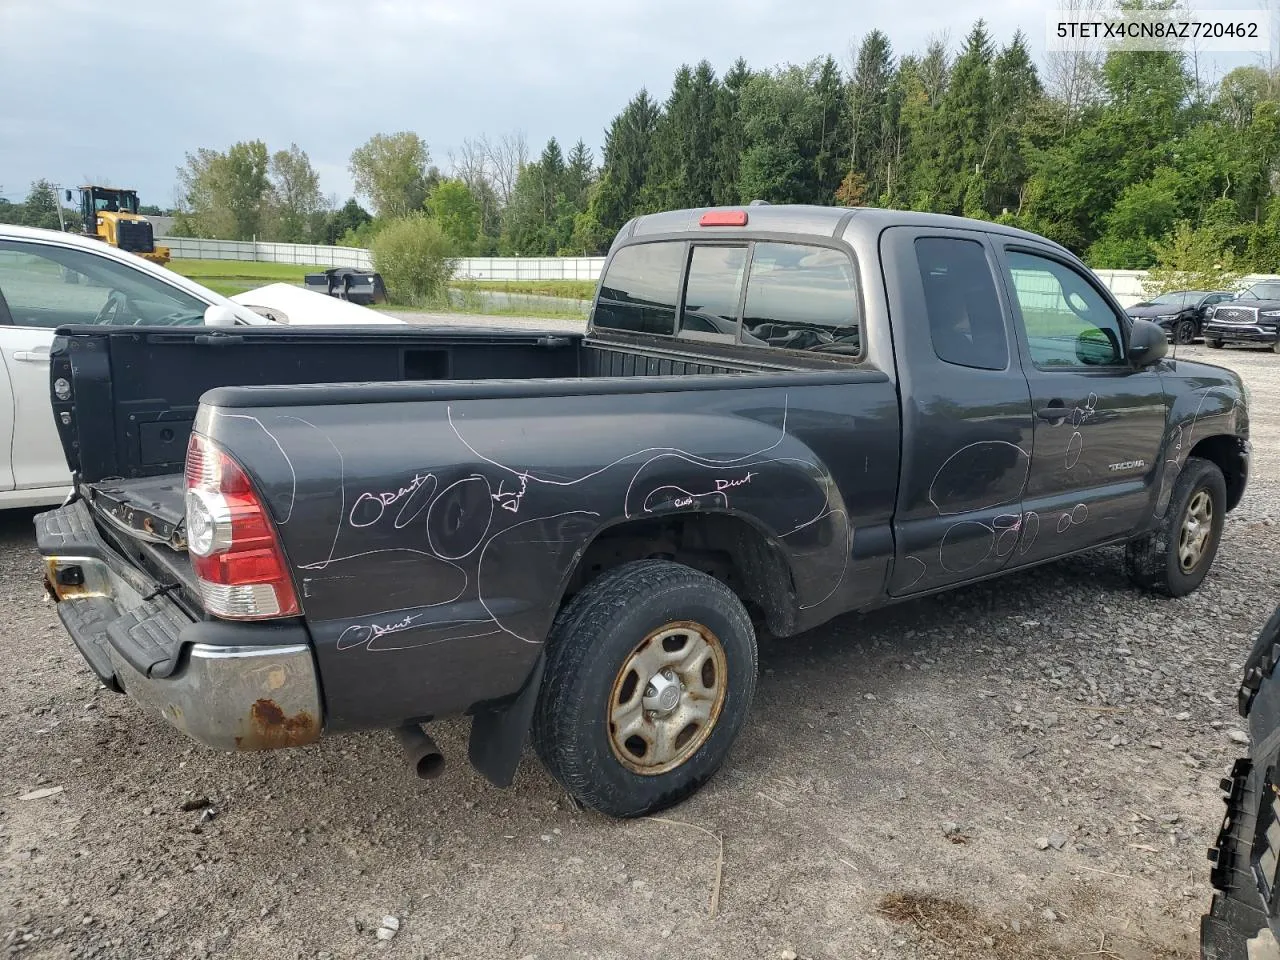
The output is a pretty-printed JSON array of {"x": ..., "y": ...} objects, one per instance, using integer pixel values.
[
  {"x": 229, "y": 277},
  {"x": 573, "y": 289}
]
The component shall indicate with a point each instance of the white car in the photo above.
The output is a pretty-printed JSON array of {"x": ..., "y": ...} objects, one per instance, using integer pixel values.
[{"x": 48, "y": 279}]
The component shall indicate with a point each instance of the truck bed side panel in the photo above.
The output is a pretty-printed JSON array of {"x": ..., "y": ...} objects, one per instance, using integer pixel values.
[{"x": 430, "y": 580}]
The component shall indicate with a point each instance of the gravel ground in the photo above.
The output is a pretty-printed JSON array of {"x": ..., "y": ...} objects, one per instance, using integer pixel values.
[{"x": 1026, "y": 768}]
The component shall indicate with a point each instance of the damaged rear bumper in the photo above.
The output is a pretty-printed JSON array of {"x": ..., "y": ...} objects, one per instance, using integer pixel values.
[{"x": 230, "y": 686}]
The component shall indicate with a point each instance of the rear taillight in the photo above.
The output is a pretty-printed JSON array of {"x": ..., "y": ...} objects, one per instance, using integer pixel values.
[{"x": 233, "y": 547}]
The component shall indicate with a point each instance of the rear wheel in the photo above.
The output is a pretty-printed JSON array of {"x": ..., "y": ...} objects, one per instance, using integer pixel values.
[
  {"x": 1185, "y": 332},
  {"x": 1175, "y": 559},
  {"x": 650, "y": 673}
]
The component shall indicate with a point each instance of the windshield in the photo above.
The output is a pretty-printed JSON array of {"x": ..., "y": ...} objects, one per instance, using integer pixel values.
[
  {"x": 1179, "y": 299},
  {"x": 115, "y": 201},
  {"x": 1267, "y": 290}
]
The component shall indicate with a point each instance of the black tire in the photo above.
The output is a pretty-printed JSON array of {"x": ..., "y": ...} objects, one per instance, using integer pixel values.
[
  {"x": 1237, "y": 912},
  {"x": 1153, "y": 562},
  {"x": 1214, "y": 344},
  {"x": 1275, "y": 347},
  {"x": 1185, "y": 331},
  {"x": 592, "y": 640}
]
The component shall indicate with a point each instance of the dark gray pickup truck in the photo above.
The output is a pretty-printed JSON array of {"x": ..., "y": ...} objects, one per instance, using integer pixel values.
[{"x": 776, "y": 415}]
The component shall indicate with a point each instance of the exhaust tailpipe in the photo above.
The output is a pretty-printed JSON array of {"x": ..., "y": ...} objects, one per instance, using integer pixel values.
[{"x": 421, "y": 752}]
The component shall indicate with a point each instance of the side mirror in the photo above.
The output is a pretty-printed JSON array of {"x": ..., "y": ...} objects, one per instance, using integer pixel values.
[
  {"x": 217, "y": 315},
  {"x": 1098, "y": 347},
  {"x": 1148, "y": 343}
]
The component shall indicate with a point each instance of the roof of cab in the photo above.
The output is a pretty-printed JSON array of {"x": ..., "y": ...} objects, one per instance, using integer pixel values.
[{"x": 808, "y": 220}]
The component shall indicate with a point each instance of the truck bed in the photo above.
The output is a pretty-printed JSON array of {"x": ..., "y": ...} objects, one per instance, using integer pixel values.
[
  {"x": 136, "y": 390},
  {"x": 135, "y": 393}
]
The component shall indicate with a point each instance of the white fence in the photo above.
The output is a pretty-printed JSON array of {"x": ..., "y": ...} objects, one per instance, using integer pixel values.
[
  {"x": 469, "y": 268},
  {"x": 1125, "y": 284},
  {"x": 530, "y": 268},
  {"x": 186, "y": 248}
]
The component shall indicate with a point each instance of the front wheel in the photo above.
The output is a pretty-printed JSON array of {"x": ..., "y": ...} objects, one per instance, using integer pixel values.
[
  {"x": 1214, "y": 344},
  {"x": 1175, "y": 559},
  {"x": 650, "y": 673},
  {"x": 1185, "y": 332},
  {"x": 1275, "y": 347}
]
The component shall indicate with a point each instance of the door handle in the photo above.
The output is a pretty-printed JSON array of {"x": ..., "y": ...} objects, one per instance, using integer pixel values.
[
  {"x": 31, "y": 356},
  {"x": 1056, "y": 410}
]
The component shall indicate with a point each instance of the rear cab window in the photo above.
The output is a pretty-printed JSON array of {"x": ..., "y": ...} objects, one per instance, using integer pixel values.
[
  {"x": 641, "y": 288},
  {"x": 782, "y": 295}
]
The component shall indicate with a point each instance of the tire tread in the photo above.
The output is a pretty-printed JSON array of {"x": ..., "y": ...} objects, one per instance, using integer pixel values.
[
  {"x": 1148, "y": 560},
  {"x": 559, "y": 743}
]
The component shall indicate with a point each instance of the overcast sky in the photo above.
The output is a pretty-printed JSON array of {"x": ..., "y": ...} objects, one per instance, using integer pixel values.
[{"x": 121, "y": 89}]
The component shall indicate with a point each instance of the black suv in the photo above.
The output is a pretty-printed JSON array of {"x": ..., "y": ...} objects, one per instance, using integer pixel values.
[
  {"x": 1252, "y": 317},
  {"x": 1180, "y": 312}
]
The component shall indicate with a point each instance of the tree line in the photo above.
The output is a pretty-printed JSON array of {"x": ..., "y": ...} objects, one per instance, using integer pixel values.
[
  {"x": 40, "y": 209},
  {"x": 1107, "y": 155}
]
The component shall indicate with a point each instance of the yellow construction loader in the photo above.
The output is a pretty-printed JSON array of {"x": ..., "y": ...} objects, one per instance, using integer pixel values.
[{"x": 111, "y": 215}]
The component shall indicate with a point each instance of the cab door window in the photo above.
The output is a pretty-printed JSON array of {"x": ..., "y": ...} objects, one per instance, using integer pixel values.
[{"x": 1067, "y": 322}]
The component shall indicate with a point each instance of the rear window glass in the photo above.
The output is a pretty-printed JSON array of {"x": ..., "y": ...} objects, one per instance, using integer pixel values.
[
  {"x": 641, "y": 288},
  {"x": 801, "y": 298},
  {"x": 712, "y": 291},
  {"x": 966, "y": 321}
]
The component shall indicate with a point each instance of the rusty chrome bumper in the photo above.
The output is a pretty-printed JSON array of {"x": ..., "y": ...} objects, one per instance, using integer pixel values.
[
  {"x": 230, "y": 686},
  {"x": 234, "y": 698}
]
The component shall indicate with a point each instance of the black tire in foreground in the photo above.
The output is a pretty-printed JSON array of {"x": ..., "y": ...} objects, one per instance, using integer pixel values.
[
  {"x": 650, "y": 673},
  {"x": 1175, "y": 558},
  {"x": 1244, "y": 857}
]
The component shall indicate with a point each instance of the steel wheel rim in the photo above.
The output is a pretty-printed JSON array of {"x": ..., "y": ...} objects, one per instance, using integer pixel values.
[
  {"x": 667, "y": 697},
  {"x": 1197, "y": 528}
]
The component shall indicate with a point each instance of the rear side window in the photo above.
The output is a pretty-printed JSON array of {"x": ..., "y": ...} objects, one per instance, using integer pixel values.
[
  {"x": 713, "y": 289},
  {"x": 965, "y": 319},
  {"x": 641, "y": 288},
  {"x": 801, "y": 298}
]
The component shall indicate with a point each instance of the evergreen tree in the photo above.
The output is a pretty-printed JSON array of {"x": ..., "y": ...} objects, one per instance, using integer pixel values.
[
  {"x": 625, "y": 170},
  {"x": 966, "y": 118},
  {"x": 1015, "y": 91},
  {"x": 730, "y": 141},
  {"x": 580, "y": 174},
  {"x": 871, "y": 121}
]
